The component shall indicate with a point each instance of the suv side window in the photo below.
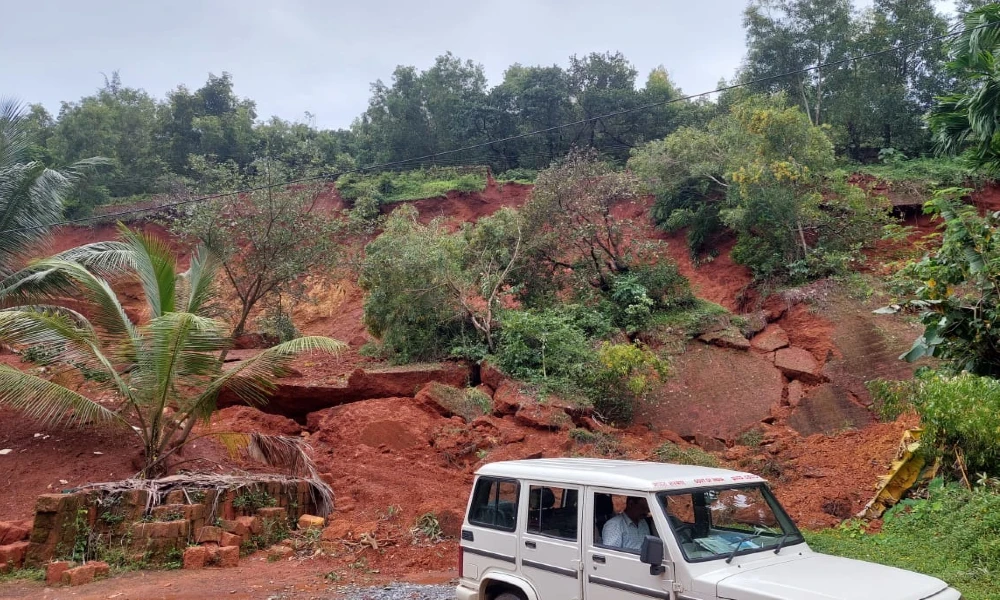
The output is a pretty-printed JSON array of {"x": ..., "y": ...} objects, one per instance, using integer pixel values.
[
  {"x": 494, "y": 504},
  {"x": 552, "y": 511}
]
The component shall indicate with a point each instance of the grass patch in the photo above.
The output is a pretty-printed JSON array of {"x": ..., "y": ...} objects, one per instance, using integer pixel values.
[
  {"x": 670, "y": 452},
  {"x": 693, "y": 320},
  {"x": 921, "y": 175},
  {"x": 23, "y": 575},
  {"x": 953, "y": 535},
  {"x": 401, "y": 186},
  {"x": 524, "y": 176},
  {"x": 604, "y": 444}
]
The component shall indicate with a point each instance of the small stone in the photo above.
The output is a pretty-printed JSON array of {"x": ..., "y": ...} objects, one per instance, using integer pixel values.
[
  {"x": 54, "y": 571},
  {"x": 5, "y": 451},
  {"x": 311, "y": 522},
  {"x": 195, "y": 557}
]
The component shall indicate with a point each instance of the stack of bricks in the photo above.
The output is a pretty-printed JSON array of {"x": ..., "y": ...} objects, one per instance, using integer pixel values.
[
  {"x": 64, "y": 573},
  {"x": 162, "y": 534}
]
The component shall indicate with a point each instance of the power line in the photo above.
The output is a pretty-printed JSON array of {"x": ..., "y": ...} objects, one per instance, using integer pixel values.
[{"x": 519, "y": 136}]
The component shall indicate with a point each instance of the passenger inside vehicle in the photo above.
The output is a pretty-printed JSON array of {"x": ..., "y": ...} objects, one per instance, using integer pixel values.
[{"x": 628, "y": 529}]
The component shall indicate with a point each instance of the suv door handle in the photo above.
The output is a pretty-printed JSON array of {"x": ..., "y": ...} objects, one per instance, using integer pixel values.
[
  {"x": 530, "y": 544},
  {"x": 599, "y": 558}
]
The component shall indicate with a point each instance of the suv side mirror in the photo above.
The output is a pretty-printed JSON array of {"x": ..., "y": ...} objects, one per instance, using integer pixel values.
[{"x": 651, "y": 553}]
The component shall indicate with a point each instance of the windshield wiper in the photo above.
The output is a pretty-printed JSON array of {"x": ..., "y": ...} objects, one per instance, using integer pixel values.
[
  {"x": 748, "y": 538},
  {"x": 781, "y": 542}
]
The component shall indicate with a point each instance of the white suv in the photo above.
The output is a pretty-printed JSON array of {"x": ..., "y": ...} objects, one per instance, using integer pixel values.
[{"x": 562, "y": 529}]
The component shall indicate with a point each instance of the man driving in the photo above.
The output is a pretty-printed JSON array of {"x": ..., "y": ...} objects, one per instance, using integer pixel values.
[{"x": 629, "y": 528}]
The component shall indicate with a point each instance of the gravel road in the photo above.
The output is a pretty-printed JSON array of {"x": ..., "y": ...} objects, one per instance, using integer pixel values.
[{"x": 400, "y": 591}]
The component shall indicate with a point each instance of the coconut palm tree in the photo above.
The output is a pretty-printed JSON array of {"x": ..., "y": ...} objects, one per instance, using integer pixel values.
[
  {"x": 31, "y": 195},
  {"x": 155, "y": 378},
  {"x": 970, "y": 119}
]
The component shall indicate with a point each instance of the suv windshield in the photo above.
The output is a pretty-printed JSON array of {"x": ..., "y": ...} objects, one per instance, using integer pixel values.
[{"x": 713, "y": 523}]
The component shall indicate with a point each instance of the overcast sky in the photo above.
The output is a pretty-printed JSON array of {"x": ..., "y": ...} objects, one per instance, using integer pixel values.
[{"x": 293, "y": 56}]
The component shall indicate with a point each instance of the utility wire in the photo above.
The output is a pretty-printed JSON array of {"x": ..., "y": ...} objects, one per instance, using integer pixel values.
[{"x": 426, "y": 157}]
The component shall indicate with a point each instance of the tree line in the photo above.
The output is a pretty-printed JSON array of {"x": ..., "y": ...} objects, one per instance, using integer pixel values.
[{"x": 158, "y": 145}]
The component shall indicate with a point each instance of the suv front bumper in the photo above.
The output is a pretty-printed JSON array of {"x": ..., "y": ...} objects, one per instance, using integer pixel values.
[{"x": 464, "y": 593}]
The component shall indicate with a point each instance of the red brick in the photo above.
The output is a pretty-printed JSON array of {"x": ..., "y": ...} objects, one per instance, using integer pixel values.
[
  {"x": 229, "y": 556},
  {"x": 13, "y": 554},
  {"x": 235, "y": 526},
  {"x": 230, "y": 539},
  {"x": 195, "y": 557},
  {"x": 311, "y": 522},
  {"x": 54, "y": 571},
  {"x": 273, "y": 513},
  {"x": 101, "y": 568},
  {"x": 252, "y": 524},
  {"x": 79, "y": 575},
  {"x": 12, "y": 532},
  {"x": 208, "y": 534}
]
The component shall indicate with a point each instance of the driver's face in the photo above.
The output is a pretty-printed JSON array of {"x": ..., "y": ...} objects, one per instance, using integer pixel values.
[{"x": 636, "y": 508}]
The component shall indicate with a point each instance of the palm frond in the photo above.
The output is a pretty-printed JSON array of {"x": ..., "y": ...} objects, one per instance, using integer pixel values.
[
  {"x": 107, "y": 259},
  {"x": 200, "y": 280},
  {"x": 253, "y": 380},
  {"x": 180, "y": 350},
  {"x": 52, "y": 279},
  {"x": 277, "y": 451},
  {"x": 156, "y": 268},
  {"x": 50, "y": 403}
]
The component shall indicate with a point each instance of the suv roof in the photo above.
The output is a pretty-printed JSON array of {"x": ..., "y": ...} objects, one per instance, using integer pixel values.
[{"x": 626, "y": 474}]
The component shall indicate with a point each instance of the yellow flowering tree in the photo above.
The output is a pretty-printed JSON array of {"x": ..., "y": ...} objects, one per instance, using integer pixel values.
[{"x": 764, "y": 172}]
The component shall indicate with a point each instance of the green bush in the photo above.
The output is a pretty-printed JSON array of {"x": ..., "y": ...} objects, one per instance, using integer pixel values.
[
  {"x": 956, "y": 411},
  {"x": 526, "y": 176},
  {"x": 672, "y": 453},
  {"x": 540, "y": 345},
  {"x": 278, "y": 324},
  {"x": 921, "y": 175},
  {"x": 622, "y": 377},
  {"x": 692, "y": 319},
  {"x": 398, "y": 186},
  {"x": 632, "y": 308},
  {"x": 954, "y": 534}
]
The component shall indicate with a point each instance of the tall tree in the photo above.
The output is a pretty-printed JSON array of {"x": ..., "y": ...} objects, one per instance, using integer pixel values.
[
  {"x": 117, "y": 122},
  {"x": 789, "y": 35}
]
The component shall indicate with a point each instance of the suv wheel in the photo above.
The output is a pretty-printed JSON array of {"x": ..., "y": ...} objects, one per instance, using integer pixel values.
[{"x": 509, "y": 596}]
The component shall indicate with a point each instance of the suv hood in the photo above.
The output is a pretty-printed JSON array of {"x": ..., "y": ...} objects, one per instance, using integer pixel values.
[{"x": 822, "y": 577}]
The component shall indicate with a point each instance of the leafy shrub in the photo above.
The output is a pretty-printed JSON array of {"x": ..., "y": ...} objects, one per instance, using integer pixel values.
[
  {"x": 951, "y": 535},
  {"x": 919, "y": 176},
  {"x": 398, "y": 186},
  {"x": 518, "y": 176},
  {"x": 693, "y": 319},
  {"x": 537, "y": 345},
  {"x": 366, "y": 214},
  {"x": 632, "y": 307},
  {"x": 672, "y": 453},
  {"x": 960, "y": 411},
  {"x": 623, "y": 376},
  {"x": 604, "y": 444},
  {"x": 277, "y": 324}
]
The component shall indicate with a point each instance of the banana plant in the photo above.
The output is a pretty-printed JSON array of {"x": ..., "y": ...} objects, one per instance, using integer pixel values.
[{"x": 156, "y": 378}]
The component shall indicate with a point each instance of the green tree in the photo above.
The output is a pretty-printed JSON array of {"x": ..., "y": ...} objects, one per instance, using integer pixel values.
[
  {"x": 431, "y": 292},
  {"x": 31, "y": 194},
  {"x": 760, "y": 171},
  {"x": 119, "y": 123},
  {"x": 573, "y": 238},
  {"x": 789, "y": 35},
  {"x": 170, "y": 362},
  {"x": 267, "y": 239}
]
